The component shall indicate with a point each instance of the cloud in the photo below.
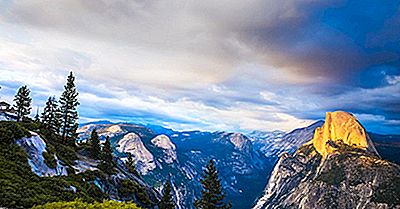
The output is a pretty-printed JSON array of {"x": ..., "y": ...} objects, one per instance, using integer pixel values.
[
  {"x": 208, "y": 40},
  {"x": 231, "y": 65}
]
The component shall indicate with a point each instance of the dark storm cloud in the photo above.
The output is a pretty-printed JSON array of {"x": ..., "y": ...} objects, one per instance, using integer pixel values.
[{"x": 335, "y": 40}]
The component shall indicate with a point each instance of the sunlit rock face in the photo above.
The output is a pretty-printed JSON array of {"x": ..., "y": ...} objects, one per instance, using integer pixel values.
[
  {"x": 338, "y": 168},
  {"x": 339, "y": 127}
]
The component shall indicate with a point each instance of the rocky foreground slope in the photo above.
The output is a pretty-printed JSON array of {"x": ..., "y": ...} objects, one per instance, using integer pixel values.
[
  {"x": 37, "y": 167},
  {"x": 338, "y": 168}
]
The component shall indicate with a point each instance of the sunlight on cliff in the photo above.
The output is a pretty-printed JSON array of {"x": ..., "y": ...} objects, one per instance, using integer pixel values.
[{"x": 339, "y": 127}]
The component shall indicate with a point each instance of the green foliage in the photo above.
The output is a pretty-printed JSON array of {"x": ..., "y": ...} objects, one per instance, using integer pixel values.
[
  {"x": 66, "y": 152},
  {"x": 9, "y": 131},
  {"x": 127, "y": 188},
  {"x": 107, "y": 161},
  {"x": 79, "y": 204},
  {"x": 30, "y": 124},
  {"x": 23, "y": 102},
  {"x": 212, "y": 195},
  {"x": 94, "y": 143},
  {"x": 68, "y": 109},
  {"x": 130, "y": 164},
  {"x": 50, "y": 116},
  {"x": 49, "y": 159},
  {"x": 21, "y": 188},
  {"x": 167, "y": 201}
]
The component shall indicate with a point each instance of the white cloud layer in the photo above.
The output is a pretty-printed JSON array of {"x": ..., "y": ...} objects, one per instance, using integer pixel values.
[{"x": 211, "y": 65}]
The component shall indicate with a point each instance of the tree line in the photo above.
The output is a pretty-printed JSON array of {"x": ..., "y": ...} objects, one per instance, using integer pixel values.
[{"x": 61, "y": 117}]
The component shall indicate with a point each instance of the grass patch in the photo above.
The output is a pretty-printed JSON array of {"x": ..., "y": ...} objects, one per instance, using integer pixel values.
[{"x": 79, "y": 204}]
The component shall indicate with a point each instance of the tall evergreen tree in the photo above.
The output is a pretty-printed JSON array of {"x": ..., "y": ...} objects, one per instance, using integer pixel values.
[
  {"x": 212, "y": 195},
  {"x": 68, "y": 109},
  {"x": 37, "y": 118},
  {"x": 107, "y": 161},
  {"x": 167, "y": 201},
  {"x": 94, "y": 141},
  {"x": 49, "y": 115},
  {"x": 130, "y": 164},
  {"x": 23, "y": 103}
]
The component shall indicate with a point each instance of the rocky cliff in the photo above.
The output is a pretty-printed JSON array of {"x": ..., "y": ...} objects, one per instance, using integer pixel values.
[
  {"x": 341, "y": 128},
  {"x": 163, "y": 154},
  {"x": 338, "y": 168},
  {"x": 131, "y": 143}
]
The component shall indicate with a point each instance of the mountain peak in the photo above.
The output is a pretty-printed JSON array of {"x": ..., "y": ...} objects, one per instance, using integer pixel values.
[
  {"x": 240, "y": 141},
  {"x": 340, "y": 128}
]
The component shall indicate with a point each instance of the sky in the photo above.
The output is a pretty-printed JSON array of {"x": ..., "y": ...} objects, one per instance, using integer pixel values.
[{"x": 208, "y": 65}]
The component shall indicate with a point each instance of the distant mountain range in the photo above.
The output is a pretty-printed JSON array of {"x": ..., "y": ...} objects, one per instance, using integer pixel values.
[
  {"x": 245, "y": 161},
  {"x": 181, "y": 156}
]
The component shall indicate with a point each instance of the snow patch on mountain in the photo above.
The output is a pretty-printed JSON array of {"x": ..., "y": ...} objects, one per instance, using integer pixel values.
[
  {"x": 34, "y": 146},
  {"x": 131, "y": 143}
]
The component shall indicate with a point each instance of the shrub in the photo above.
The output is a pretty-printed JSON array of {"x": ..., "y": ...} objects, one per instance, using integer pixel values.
[
  {"x": 21, "y": 188},
  {"x": 78, "y": 204},
  {"x": 49, "y": 159},
  {"x": 10, "y": 131},
  {"x": 128, "y": 188}
]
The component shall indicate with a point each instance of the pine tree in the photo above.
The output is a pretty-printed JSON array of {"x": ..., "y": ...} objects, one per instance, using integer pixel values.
[
  {"x": 23, "y": 103},
  {"x": 95, "y": 149},
  {"x": 130, "y": 164},
  {"x": 212, "y": 195},
  {"x": 167, "y": 201},
  {"x": 37, "y": 118},
  {"x": 107, "y": 162},
  {"x": 49, "y": 116},
  {"x": 68, "y": 109}
]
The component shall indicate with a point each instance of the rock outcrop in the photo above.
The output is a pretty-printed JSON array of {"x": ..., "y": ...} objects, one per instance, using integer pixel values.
[
  {"x": 340, "y": 128},
  {"x": 162, "y": 141},
  {"x": 131, "y": 143},
  {"x": 112, "y": 130},
  {"x": 241, "y": 142},
  {"x": 339, "y": 168},
  {"x": 35, "y": 146}
]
